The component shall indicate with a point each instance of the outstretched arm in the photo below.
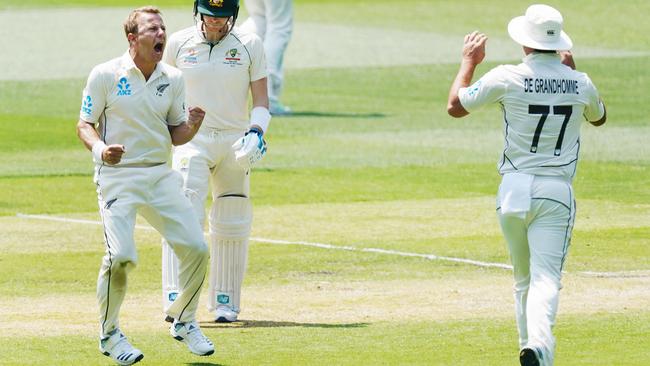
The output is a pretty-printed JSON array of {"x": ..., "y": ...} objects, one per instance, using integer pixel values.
[{"x": 473, "y": 54}]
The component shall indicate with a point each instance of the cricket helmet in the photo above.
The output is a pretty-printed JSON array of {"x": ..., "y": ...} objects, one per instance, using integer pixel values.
[{"x": 217, "y": 8}]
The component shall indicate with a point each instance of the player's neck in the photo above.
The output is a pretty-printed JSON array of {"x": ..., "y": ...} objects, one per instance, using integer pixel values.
[
  {"x": 146, "y": 67},
  {"x": 214, "y": 37}
]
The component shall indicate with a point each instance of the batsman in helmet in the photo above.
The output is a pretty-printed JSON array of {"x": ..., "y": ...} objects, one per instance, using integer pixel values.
[{"x": 220, "y": 65}]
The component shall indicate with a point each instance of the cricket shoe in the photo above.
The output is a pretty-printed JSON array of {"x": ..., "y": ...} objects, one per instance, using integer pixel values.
[
  {"x": 117, "y": 347},
  {"x": 225, "y": 314},
  {"x": 279, "y": 109},
  {"x": 190, "y": 334},
  {"x": 528, "y": 357}
]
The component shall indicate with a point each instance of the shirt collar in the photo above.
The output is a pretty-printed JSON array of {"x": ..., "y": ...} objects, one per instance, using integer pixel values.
[
  {"x": 541, "y": 57},
  {"x": 127, "y": 61},
  {"x": 128, "y": 65}
]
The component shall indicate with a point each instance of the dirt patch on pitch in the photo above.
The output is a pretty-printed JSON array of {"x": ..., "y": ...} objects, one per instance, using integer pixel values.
[{"x": 332, "y": 303}]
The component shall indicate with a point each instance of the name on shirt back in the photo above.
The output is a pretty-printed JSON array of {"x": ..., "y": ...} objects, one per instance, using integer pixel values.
[{"x": 550, "y": 86}]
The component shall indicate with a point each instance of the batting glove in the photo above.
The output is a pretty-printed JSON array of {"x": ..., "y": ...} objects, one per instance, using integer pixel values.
[{"x": 249, "y": 149}]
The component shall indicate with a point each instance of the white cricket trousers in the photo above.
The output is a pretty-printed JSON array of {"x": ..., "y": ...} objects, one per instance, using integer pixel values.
[
  {"x": 207, "y": 163},
  {"x": 538, "y": 246},
  {"x": 272, "y": 20},
  {"x": 155, "y": 192}
]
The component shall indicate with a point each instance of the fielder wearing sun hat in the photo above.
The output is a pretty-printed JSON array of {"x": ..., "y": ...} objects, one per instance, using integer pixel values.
[
  {"x": 540, "y": 28},
  {"x": 544, "y": 101}
]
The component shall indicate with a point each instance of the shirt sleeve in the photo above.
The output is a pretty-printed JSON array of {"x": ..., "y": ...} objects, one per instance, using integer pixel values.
[
  {"x": 258, "y": 59},
  {"x": 490, "y": 88},
  {"x": 177, "y": 115},
  {"x": 93, "y": 101},
  {"x": 595, "y": 109}
]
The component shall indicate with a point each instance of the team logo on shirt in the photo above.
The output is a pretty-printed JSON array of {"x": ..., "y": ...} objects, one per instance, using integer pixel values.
[
  {"x": 217, "y": 3},
  {"x": 87, "y": 106},
  {"x": 191, "y": 57},
  {"x": 233, "y": 57},
  {"x": 123, "y": 86},
  {"x": 160, "y": 89}
]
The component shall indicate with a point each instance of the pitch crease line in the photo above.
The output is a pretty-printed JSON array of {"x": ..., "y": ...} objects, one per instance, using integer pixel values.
[{"x": 625, "y": 274}]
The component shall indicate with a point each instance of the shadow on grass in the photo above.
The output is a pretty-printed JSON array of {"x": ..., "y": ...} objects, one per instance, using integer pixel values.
[
  {"x": 330, "y": 115},
  {"x": 273, "y": 324}
]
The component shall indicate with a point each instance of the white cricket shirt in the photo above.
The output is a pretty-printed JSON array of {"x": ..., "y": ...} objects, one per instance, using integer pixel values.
[
  {"x": 134, "y": 112},
  {"x": 543, "y": 103},
  {"x": 218, "y": 76}
]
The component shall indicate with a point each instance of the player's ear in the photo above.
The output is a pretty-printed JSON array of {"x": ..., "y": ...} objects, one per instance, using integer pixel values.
[{"x": 131, "y": 37}]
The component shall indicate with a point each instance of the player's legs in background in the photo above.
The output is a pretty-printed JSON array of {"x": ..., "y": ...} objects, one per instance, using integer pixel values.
[
  {"x": 515, "y": 232},
  {"x": 256, "y": 21},
  {"x": 279, "y": 23},
  {"x": 118, "y": 197},
  {"x": 230, "y": 226},
  {"x": 192, "y": 162},
  {"x": 171, "y": 213},
  {"x": 549, "y": 235}
]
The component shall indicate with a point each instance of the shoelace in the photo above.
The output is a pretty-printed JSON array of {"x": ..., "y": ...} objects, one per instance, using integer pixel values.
[{"x": 195, "y": 334}]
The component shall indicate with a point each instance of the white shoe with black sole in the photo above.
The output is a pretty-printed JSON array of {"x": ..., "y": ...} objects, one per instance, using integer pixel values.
[
  {"x": 190, "y": 334},
  {"x": 224, "y": 314},
  {"x": 117, "y": 347}
]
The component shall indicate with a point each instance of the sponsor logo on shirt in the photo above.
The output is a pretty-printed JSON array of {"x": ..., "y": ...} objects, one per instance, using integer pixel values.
[
  {"x": 160, "y": 89},
  {"x": 87, "y": 105},
  {"x": 191, "y": 57},
  {"x": 233, "y": 57},
  {"x": 223, "y": 299},
  {"x": 123, "y": 86},
  {"x": 472, "y": 90}
]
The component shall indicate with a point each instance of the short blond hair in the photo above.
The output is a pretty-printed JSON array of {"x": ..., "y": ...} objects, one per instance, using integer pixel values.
[{"x": 131, "y": 23}]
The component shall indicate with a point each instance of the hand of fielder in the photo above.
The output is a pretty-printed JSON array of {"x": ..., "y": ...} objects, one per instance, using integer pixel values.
[{"x": 474, "y": 47}]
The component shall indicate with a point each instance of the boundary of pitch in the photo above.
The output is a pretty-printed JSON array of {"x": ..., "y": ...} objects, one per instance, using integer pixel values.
[{"x": 621, "y": 274}]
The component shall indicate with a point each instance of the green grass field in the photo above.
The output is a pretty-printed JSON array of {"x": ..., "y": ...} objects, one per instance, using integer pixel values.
[{"x": 370, "y": 165}]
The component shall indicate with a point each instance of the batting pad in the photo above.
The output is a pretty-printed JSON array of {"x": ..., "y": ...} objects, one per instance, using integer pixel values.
[
  {"x": 170, "y": 287},
  {"x": 230, "y": 228}
]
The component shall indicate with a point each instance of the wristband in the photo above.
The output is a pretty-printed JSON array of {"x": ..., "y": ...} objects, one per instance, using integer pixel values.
[
  {"x": 98, "y": 151},
  {"x": 260, "y": 116}
]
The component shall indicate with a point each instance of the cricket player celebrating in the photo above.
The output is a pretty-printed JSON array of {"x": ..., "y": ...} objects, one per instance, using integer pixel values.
[
  {"x": 136, "y": 104},
  {"x": 220, "y": 65},
  {"x": 543, "y": 101},
  {"x": 272, "y": 20}
]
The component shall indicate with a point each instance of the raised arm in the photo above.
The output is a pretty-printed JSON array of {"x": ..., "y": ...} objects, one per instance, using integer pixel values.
[{"x": 473, "y": 54}]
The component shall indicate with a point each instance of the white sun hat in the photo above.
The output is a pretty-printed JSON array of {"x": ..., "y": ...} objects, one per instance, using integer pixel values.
[{"x": 540, "y": 28}]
